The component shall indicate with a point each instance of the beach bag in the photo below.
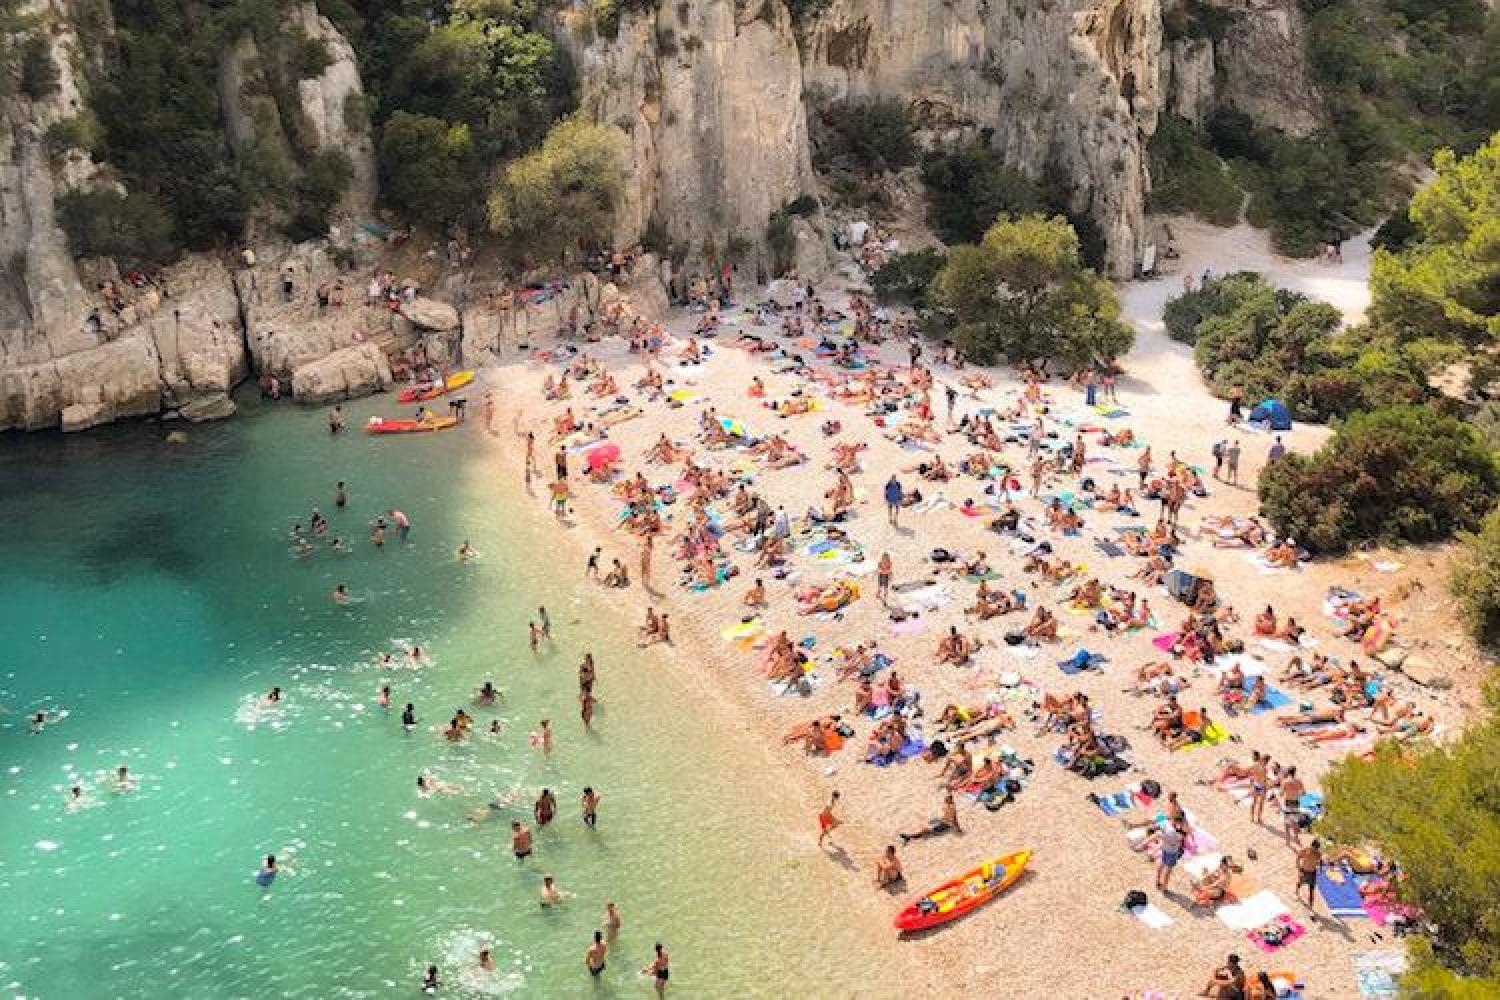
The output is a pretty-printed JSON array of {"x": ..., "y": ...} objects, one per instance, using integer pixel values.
[
  {"x": 1014, "y": 638},
  {"x": 1151, "y": 787},
  {"x": 1134, "y": 898}
]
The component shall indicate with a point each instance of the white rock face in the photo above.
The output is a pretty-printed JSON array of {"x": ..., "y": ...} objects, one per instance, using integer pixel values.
[
  {"x": 345, "y": 374},
  {"x": 430, "y": 314},
  {"x": 716, "y": 119},
  {"x": 333, "y": 103}
]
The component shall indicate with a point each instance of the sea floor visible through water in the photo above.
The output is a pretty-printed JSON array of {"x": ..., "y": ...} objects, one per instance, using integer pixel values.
[{"x": 149, "y": 597}]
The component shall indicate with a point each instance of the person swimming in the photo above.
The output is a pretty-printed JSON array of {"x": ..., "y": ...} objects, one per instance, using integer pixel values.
[
  {"x": 430, "y": 983},
  {"x": 409, "y": 717},
  {"x": 267, "y": 873},
  {"x": 551, "y": 895},
  {"x": 124, "y": 782},
  {"x": 273, "y": 697},
  {"x": 593, "y": 958},
  {"x": 486, "y": 961},
  {"x": 466, "y": 551},
  {"x": 383, "y": 697},
  {"x": 340, "y": 594},
  {"x": 487, "y": 694}
]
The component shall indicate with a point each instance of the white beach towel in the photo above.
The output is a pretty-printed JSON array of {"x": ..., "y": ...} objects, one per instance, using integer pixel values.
[
  {"x": 1259, "y": 909},
  {"x": 1152, "y": 916}
]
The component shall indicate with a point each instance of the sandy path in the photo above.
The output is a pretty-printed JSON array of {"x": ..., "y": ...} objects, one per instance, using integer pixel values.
[{"x": 1058, "y": 932}]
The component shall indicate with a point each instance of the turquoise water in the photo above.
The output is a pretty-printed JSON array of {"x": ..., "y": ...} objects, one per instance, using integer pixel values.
[{"x": 149, "y": 591}]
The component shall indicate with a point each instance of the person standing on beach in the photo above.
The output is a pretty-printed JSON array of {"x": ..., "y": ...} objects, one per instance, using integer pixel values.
[
  {"x": 1258, "y": 786},
  {"x": 1276, "y": 452},
  {"x": 883, "y": 576},
  {"x": 1309, "y": 860},
  {"x": 1236, "y": 404},
  {"x": 1218, "y": 454},
  {"x": 952, "y": 396},
  {"x": 560, "y": 463},
  {"x": 646, "y": 546},
  {"x": 894, "y": 494},
  {"x": 827, "y": 821},
  {"x": 489, "y": 411},
  {"x": 530, "y": 455},
  {"x": 1232, "y": 463},
  {"x": 1143, "y": 465},
  {"x": 1173, "y": 835},
  {"x": 591, "y": 571}
]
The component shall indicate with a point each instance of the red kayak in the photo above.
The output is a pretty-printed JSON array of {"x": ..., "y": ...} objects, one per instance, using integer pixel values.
[
  {"x": 388, "y": 425},
  {"x": 422, "y": 394},
  {"x": 961, "y": 895}
]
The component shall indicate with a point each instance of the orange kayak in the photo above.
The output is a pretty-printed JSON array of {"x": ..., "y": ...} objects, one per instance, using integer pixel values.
[
  {"x": 422, "y": 394},
  {"x": 389, "y": 425},
  {"x": 969, "y": 891}
]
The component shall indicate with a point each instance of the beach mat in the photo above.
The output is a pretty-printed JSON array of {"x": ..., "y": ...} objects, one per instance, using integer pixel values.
[
  {"x": 1291, "y": 930},
  {"x": 1377, "y": 972},
  {"x": 1151, "y": 915}
]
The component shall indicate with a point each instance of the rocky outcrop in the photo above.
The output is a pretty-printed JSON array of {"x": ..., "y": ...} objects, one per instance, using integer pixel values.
[
  {"x": 430, "y": 314},
  {"x": 268, "y": 108},
  {"x": 1259, "y": 67},
  {"x": 710, "y": 93},
  {"x": 344, "y": 374},
  {"x": 1064, "y": 92}
]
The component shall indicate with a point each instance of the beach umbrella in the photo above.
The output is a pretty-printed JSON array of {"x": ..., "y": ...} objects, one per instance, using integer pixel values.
[
  {"x": 1200, "y": 573},
  {"x": 603, "y": 455}
]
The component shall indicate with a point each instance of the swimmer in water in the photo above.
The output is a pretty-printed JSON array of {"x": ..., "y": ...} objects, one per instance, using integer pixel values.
[
  {"x": 466, "y": 551},
  {"x": 496, "y": 728},
  {"x": 409, "y": 717},
  {"x": 383, "y": 697},
  {"x": 590, "y": 804},
  {"x": 123, "y": 780},
  {"x": 340, "y": 594},
  {"x": 302, "y": 549},
  {"x": 340, "y": 495},
  {"x": 551, "y": 895},
  {"x": 541, "y": 613},
  {"x": 428, "y": 785},
  {"x": 75, "y": 797},
  {"x": 658, "y": 969},
  {"x": 268, "y": 870},
  {"x": 339, "y": 546},
  {"x": 416, "y": 656},
  {"x": 38, "y": 722},
  {"x": 586, "y": 709},
  {"x": 486, "y": 694},
  {"x": 520, "y": 840},
  {"x": 486, "y": 962},
  {"x": 612, "y": 921},
  {"x": 593, "y": 958},
  {"x": 545, "y": 808},
  {"x": 430, "y": 982},
  {"x": 543, "y": 738},
  {"x": 384, "y": 660},
  {"x": 273, "y": 697}
]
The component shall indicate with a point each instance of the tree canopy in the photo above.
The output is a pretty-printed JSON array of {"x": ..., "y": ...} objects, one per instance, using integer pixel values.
[
  {"x": 1447, "y": 281},
  {"x": 1436, "y": 812},
  {"x": 1024, "y": 293},
  {"x": 565, "y": 193}
]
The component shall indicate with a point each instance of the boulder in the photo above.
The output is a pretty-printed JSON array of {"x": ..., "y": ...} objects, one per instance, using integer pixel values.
[
  {"x": 430, "y": 314},
  {"x": 216, "y": 406},
  {"x": 82, "y": 416},
  {"x": 344, "y": 374}
]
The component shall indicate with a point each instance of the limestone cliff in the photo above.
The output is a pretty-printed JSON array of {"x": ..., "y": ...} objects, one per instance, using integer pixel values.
[
  {"x": 1259, "y": 67},
  {"x": 710, "y": 93}
]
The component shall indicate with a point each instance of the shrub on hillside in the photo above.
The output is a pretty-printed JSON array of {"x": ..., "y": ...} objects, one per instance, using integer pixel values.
[
  {"x": 130, "y": 228},
  {"x": 1475, "y": 581},
  {"x": 1399, "y": 474},
  {"x": 905, "y": 278},
  {"x": 1212, "y": 298},
  {"x": 969, "y": 188},
  {"x": 1187, "y": 177},
  {"x": 868, "y": 136}
]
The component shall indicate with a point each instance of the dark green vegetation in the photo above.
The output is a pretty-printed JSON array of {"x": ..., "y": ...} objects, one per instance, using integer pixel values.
[
  {"x": 1436, "y": 812},
  {"x": 906, "y": 277},
  {"x": 1395, "y": 474},
  {"x": 969, "y": 188},
  {"x": 1274, "y": 343},
  {"x": 455, "y": 89},
  {"x": 1398, "y": 78},
  {"x": 866, "y": 137}
]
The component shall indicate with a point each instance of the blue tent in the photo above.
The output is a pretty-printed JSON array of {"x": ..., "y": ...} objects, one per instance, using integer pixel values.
[{"x": 1273, "y": 413}]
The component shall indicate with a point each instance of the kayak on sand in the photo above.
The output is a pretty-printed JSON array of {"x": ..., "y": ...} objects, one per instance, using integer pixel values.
[
  {"x": 420, "y": 394},
  {"x": 390, "y": 425},
  {"x": 969, "y": 891}
]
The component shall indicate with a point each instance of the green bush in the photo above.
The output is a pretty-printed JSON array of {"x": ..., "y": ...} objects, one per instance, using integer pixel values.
[
  {"x": 1197, "y": 19},
  {"x": 1475, "y": 581},
  {"x": 1187, "y": 178},
  {"x": 906, "y": 277},
  {"x": 1397, "y": 474},
  {"x": 81, "y": 131},
  {"x": 430, "y": 168},
  {"x": 969, "y": 188},
  {"x": 1214, "y": 297},
  {"x": 324, "y": 181},
  {"x": 868, "y": 136},
  {"x": 130, "y": 228},
  {"x": 1433, "y": 810}
]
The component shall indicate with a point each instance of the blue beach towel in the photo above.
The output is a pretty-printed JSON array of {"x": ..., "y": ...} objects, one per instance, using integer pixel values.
[
  {"x": 1080, "y": 661},
  {"x": 1343, "y": 898}
]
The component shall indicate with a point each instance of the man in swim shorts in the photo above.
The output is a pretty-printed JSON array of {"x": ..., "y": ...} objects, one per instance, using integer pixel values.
[
  {"x": 520, "y": 840},
  {"x": 593, "y": 958}
]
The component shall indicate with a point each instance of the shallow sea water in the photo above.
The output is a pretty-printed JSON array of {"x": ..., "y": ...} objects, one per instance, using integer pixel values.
[{"x": 149, "y": 591}]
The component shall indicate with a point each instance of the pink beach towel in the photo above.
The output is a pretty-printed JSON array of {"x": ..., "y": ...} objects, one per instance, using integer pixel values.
[
  {"x": 1294, "y": 931},
  {"x": 1167, "y": 641}
]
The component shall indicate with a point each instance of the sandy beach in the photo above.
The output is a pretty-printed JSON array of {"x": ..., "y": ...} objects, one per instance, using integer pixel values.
[{"x": 1060, "y": 930}]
